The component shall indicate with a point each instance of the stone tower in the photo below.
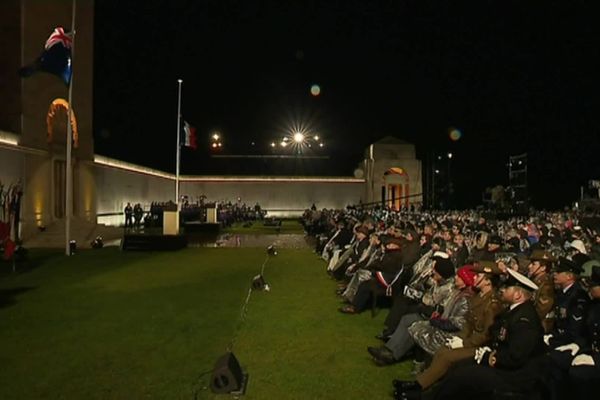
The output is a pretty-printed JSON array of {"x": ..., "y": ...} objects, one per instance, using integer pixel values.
[
  {"x": 392, "y": 174},
  {"x": 40, "y": 157}
]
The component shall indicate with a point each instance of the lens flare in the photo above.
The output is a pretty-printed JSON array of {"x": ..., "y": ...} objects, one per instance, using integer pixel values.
[
  {"x": 315, "y": 90},
  {"x": 455, "y": 134}
]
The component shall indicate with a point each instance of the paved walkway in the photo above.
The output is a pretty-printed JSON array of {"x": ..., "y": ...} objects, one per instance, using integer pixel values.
[{"x": 287, "y": 241}]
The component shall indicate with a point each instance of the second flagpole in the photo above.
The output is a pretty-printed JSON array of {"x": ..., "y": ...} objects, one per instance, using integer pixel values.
[{"x": 179, "y": 81}]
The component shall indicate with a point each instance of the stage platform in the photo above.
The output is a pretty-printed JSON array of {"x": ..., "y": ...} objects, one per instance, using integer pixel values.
[{"x": 148, "y": 242}]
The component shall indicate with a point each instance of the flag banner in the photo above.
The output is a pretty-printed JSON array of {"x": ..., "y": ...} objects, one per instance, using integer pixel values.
[
  {"x": 188, "y": 135},
  {"x": 56, "y": 57}
]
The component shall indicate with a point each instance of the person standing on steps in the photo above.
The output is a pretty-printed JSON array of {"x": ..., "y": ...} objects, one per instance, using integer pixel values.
[{"x": 128, "y": 216}]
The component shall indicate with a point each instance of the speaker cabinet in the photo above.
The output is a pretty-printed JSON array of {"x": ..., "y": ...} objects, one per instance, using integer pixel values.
[{"x": 227, "y": 375}]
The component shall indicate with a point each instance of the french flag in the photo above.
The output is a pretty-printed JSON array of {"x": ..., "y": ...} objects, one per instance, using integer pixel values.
[{"x": 188, "y": 135}]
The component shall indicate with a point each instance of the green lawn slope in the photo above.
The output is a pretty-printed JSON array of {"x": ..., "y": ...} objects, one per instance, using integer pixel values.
[{"x": 106, "y": 324}]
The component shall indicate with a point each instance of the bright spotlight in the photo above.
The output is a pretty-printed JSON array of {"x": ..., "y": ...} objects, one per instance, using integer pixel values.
[
  {"x": 272, "y": 144},
  {"x": 283, "y": 143},
  {"x": 215, "y": 136},
  {"x": 219, "y": 144},
  {"x": 321, "y": 144},
  {"x": 214, "y": 145},
  {"x": 449, "y": 155},
  {"x": 317, "y": 138},
  {"x": 298, "y": 137}
]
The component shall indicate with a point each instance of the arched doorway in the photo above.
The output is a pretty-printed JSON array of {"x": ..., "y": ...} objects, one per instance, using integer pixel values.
[{"x": 395, "y": 189}]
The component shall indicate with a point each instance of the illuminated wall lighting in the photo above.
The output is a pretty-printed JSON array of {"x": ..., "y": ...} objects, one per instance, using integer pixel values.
[{"x": 9, "y": 138}]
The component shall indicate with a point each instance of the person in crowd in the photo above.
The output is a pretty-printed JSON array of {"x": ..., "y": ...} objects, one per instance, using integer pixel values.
[
  {"x": 510, "y": 363},
  {"x": 446, "y": 234},
  {"x": 339, "y": 238},
  {"x": 387, "y": 271},
  {"x": 571, "y": 305},
  {"x": 482, "y": 225},
  {"x": 411, "y": 249},
  {"x": 538, "y": 271},
  {"x": 575, "y": 366},
  {"x": 400, "y": 342},
  {"x": 409, "y": 299},
  {"x": 493, "y": 248},
  {"x": 355, "y": 253},
  {"x": 433, "y": 334},
  {"x": 424, "y": 244},
  {"x": 479, "y": 246},
  {"x": 461, "y": 252},
  {"x": 483, "y": 307},
  {"x": 138, "y": 213},
  {"x": 595, "y": 245},
  {"x": 578, "y": 252},
  {"x": 128, "y": 215},
  {"x": 502, "y": 265},
  {"x": 360, "y": 272}
]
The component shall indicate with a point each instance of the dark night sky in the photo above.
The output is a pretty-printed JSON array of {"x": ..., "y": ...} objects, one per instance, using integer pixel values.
[{"x": 513, "y": 77}]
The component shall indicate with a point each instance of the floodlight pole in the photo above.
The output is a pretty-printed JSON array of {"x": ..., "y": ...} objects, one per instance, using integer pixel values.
[
  {"x": 68, "y": 166},
  {"x": 179, "y": 82}
]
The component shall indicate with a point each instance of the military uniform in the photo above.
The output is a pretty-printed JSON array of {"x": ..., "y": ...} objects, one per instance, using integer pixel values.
[
  {"x": 590, "y": 346},
  {"x": 517, "y": 339},
  {"x": 569, "y": 313},
  {"x": 475, "y": 333},
  {"x": 544, "y": 300},
  {"x": 544, "y": 297},
  {"x": 567, "y": 379}
]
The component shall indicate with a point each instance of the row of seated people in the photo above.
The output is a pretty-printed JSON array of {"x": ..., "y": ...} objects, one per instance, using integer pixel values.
[
  {"x": 228, "y": 212},
  {"x": 476, "y": 319}
]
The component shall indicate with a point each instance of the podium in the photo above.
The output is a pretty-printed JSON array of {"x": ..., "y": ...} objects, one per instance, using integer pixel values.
[
  {"x": 171, "y": 223},
  {"x": 211, "y": 214}
]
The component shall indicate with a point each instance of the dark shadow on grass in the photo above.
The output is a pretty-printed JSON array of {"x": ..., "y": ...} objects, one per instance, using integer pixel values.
[
  {"x": 8, "y": 296},
  {"x": 28, "y": 261}
]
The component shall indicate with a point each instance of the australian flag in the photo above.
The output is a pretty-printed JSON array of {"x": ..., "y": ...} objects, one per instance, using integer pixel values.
[
  {"x": 188, "y": 135},
  {"x": 56, "y": 57}
]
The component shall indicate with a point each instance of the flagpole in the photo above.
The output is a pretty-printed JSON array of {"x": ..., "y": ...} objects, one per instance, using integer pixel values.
[
  {"x": 179, "y": 81},
  {"x": 68, "y": 166}
]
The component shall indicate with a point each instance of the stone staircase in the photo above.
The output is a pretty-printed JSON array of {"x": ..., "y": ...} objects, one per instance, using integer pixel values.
[{"x": 82, "y": 231}]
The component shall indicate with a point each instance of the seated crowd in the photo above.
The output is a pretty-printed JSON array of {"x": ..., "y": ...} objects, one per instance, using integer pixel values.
[
  {"x": 483, "y": 308},
  {"x": 228, "y": 212}
]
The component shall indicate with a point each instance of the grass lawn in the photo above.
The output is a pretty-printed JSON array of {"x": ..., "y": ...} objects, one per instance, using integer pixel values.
[{"x": 106, "y": 324}]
